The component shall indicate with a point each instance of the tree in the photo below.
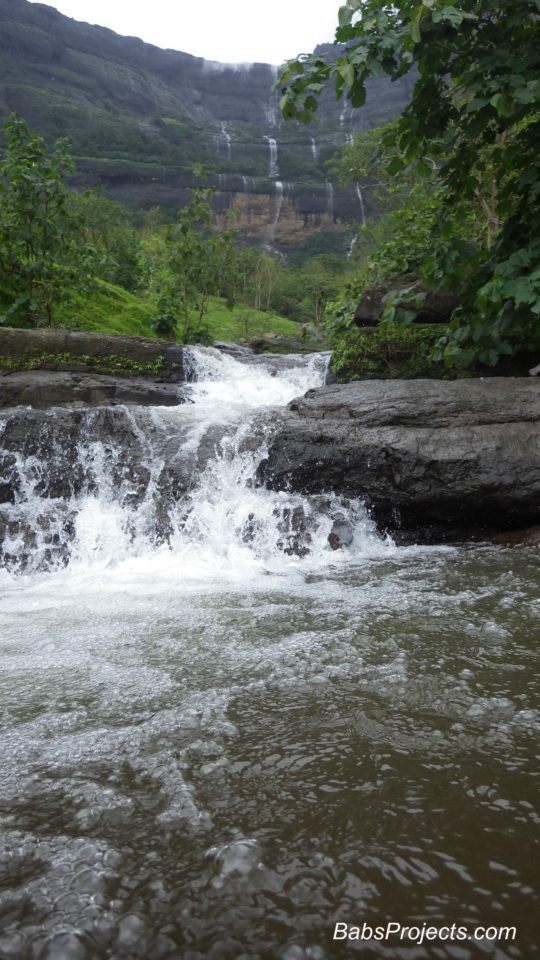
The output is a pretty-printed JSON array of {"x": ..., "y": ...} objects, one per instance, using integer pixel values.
[
  {"x": 40, "y": 261},
  {"x": 475, "y": 113},
  {"x": 106, "y": 227},
  {"x": 198, "y": 262}
]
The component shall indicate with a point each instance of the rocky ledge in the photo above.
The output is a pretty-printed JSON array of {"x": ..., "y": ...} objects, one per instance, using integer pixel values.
[
  {"x": 433, "y": 459},
  {"x": 47, "y": 388}
]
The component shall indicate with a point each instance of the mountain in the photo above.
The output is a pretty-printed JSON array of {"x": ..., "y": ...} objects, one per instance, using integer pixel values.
[{"x": 138, "y": 117}]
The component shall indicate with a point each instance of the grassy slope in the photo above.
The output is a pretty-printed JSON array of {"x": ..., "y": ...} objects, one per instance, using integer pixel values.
[{"x": 110, "y": 309}]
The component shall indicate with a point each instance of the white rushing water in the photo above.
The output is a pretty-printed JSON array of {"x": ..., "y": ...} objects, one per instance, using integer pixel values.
[
  {"x": 220, "y": 523},
  {"x": 360, "y": 196},
  {"x": 227, "y": 138},
  {"x": 273, "y": 169}
]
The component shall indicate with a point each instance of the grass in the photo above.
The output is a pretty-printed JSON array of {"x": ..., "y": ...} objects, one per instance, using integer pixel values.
[
  {"x": 110, "y": 309},
  {"x": 107, "y": 309}
]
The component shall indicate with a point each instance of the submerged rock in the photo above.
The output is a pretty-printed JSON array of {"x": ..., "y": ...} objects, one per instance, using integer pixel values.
[{"x": 434, "y": 457}]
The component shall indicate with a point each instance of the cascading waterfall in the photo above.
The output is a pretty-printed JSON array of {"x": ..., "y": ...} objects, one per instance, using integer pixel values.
[
  {"x": 271, "y": 116},
  {"x": 330, "y": 200},
  {"x": 277, "y": 206},
  {"x": 273, "y": 169},
  {"x": 174, "y": 481},
  {"x": 314, "y": 149},
  {"x": 227, "y": 138},
  {"x": 346, "y": 115},
  {"x": 360, "y": 196}
]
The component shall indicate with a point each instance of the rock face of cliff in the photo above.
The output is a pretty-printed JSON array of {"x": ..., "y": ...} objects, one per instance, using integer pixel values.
[
  {"x": 433, "y": 457},
  {"x": 139, "y": 117}
]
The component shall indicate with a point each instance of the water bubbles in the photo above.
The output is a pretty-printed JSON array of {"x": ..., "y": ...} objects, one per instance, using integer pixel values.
[
  {"x": 64, "y": 946},
  {"x": 236, "y": 860}
]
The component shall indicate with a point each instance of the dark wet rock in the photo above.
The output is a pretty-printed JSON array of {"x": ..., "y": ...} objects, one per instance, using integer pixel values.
[
  {"x": 433, "y": 457},
  {"x": 519, "y": 538},
  {"x": 46, "y": 388},
  {"x": 61, "y": 447},
  {"x": 294, "y": 526},
  {"x": 341, "y": 534},
  {"x": 437, "y": 305},
  {"x": 236, "y": 350},
  {"x": 22, "y": 344},
  {"x": 50, "y": 532}
]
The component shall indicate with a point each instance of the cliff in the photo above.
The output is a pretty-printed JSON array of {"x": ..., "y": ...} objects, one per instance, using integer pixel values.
[{"x": 138, "y": 118}]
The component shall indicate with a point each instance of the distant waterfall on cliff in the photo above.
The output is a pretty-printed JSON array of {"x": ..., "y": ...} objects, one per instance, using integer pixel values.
[
  {"x": 248, "y": 184},
  {"x": 227, "y": 138},
  {"x": 278, "y": 201},
  {"x": 349, "y": 139},
  {"x": 330, "y": 200},
  {"x": 314, "y": 149},
  {"x": 361, "y": 202},
  {"x": 273, "y": 169}
]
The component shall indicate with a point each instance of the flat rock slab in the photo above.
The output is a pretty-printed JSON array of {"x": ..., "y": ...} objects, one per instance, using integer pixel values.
[
  {"x": 47, "y": 388},
  {"x": 434, "y": 457}
]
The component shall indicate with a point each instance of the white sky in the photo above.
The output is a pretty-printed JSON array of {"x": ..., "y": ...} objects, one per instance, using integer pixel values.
[{"x": 233, "y": 31}]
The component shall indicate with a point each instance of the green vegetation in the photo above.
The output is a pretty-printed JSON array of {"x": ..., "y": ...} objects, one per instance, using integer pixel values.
[
  {"x": 197, "y": 261},
  {"x": 385, "y": 352},
  {"x": 85, "y": 263},
  {"x": 109, "y": 309},
  {"x": 460, "y": 169},
  {"x": 39, "y": 261},
  {"x": 111, "y": 363}
]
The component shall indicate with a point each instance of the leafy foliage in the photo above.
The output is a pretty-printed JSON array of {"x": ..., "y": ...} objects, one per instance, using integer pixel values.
[
  {"x": 40, "y": 263},
  {"x": 385, "y": 352},
  {"x": 198, "y": 261},
  {"x": 474, "y": 117},
  {"x": 108, "y": 228}
]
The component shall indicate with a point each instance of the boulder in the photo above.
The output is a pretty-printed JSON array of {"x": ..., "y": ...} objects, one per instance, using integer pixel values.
[
  {"x": 437, "y": 307},
  {"x": 437, "y": 458}
]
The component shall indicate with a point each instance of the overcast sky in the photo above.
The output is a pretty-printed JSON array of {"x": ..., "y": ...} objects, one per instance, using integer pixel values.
[{"x": 233, "y": 31}]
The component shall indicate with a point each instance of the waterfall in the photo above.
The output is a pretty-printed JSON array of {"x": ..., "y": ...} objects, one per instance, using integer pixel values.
[
  {"x": 352, "y": 245},
  {"x": 330, "y": 200},
  {"x": 349, "y": 139},
  {"x": 345, "y": 115},
  {"x": 279, "y": 191},
  {"x": 314, "y": 149},
  {"x": 227, "y": 138},
  {"x": 111, "y": 486},
  {"x": 361, "y": 202},
  {"x": 273, "y": 170},
  {"x": 248, "y": 184}
]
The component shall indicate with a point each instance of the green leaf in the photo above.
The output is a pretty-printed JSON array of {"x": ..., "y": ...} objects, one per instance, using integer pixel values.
[
  {"x": 415, "y": 24},
  {"x": 345, "y": 15}
]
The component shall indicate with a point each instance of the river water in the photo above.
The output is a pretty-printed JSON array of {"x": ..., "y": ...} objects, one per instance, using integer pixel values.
[{"x": 218, "y": 745}]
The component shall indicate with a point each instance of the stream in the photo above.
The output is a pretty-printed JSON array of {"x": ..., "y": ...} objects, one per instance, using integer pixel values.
[{"x": 220, "y": 737}]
